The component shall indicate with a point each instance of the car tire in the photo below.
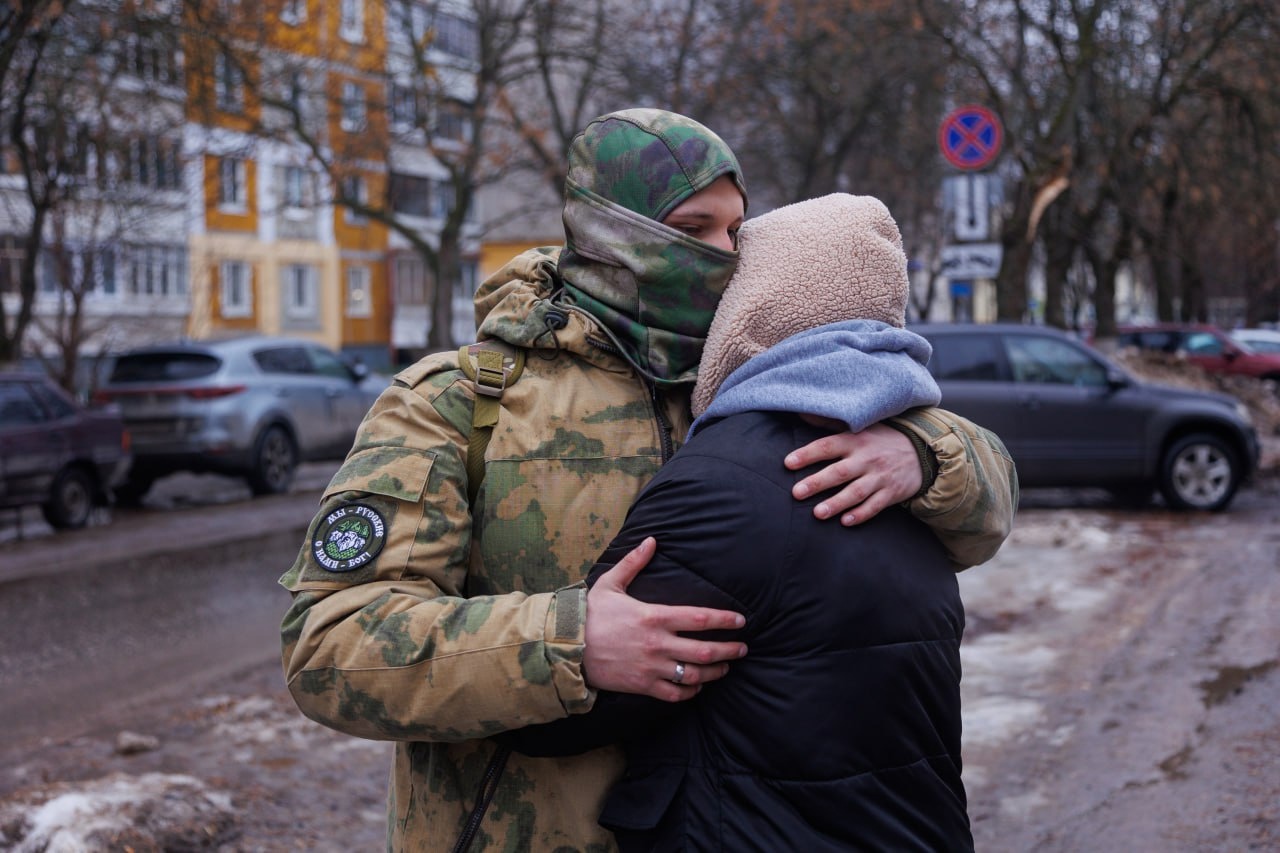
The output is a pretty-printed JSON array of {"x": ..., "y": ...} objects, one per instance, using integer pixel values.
[
  {"x": 71, "y": 500},
  {"x": 275, "y": 460},
  {"x": 1200, "y": 472}
]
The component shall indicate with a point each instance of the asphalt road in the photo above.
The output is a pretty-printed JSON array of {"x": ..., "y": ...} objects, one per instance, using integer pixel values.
[{"x": 156, "y": 604}]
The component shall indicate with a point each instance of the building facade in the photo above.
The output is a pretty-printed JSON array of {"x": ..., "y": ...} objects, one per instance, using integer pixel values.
[{"x": 260, "y": 167}]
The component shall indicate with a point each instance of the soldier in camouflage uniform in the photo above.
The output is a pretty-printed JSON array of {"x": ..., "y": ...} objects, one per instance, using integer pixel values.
[{"x": 434, "y": 621}]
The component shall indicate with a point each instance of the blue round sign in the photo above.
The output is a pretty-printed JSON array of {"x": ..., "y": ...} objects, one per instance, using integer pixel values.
[{"x": 970, "y": 137}]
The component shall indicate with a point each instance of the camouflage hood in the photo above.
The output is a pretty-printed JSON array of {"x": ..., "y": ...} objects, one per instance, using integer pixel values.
[{"x": 652, "y": 287}]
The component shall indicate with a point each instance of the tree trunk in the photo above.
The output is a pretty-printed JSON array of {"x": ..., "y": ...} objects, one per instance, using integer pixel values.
[
  {"x": 1058, "y": 252},
  {"x": 447, "y": 273},
  {"x": 1011, "y": 285}
]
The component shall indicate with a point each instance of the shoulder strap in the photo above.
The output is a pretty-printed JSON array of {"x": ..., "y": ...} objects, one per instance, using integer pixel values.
[{"x": 493, "y": 366}]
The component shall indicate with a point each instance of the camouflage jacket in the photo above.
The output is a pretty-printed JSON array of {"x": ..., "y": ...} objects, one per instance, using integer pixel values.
[{"x": 424, "y": 621}]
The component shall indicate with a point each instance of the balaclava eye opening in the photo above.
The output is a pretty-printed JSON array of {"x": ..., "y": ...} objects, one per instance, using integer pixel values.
[{"x": 654, "y": 288}]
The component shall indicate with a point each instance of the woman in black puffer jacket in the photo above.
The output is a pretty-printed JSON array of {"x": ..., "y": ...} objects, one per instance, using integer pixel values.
[{"x": 840, "y": 729}]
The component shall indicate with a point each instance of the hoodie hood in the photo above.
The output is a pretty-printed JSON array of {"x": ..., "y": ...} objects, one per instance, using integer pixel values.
[
  {"x": 825, "y": 260},
  {"x": 812, "y": 320},
  {"x": 652, "y": 288}
]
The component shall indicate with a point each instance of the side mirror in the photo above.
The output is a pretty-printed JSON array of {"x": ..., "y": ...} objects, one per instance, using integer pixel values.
[
  {"x": 359, "y": 370},
  {"x": 1117, "y": 379}
]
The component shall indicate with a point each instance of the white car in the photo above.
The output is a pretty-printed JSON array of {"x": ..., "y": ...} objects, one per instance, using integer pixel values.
[{"x": 1258, "y": 340}]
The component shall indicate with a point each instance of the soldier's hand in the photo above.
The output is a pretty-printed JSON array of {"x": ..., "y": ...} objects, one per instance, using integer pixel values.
[
  {"x": 878, "y": 468},
  {"x": 633, "y": 646}
]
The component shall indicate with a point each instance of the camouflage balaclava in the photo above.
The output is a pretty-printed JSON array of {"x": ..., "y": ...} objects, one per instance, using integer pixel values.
[{"x": 653, "y": 287}]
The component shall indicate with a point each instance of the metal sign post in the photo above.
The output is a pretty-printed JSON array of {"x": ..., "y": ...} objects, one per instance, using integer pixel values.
[{"x": 969, "y": 138}]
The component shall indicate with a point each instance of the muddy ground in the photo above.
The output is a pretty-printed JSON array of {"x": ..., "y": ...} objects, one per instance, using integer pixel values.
[{"x": 1121, "y": 693}]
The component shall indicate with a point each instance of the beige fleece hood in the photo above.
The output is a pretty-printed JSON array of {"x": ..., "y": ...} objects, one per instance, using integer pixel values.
[{"x": 825, "y": 260}]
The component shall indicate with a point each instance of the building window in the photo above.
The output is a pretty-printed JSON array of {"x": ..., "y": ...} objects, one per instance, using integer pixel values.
[
  {"x": 293, "y": 12},
  {"x": 232, "y": 194},
  {"x": 150, "y": 56},
  {"x": 404, "y": 108},
  {"x": 301, "y": 301},
  {"x": 359, "y": 297},
  {"x": 455, "y": 36},
  {"x": 453, "y": 122},
  {"x": 294, "y": 187},
  {"x": 410, "y": 195},
  {"x": 351, "y": 20},
  {"x": 411, "y": 280},
  {"x": 353, "y": 107},
  {"x": 156, "y": 271},
  {"x": 228, "y": 83},
  {"x": 236, "y": 293},
  {"x": 11, "y": 255},
  {"x": 444, "y": 197},
  {"x": 153, "y": 163},
  {"x": 106, "y": 268},
  {"x": 354, "y": 191}
]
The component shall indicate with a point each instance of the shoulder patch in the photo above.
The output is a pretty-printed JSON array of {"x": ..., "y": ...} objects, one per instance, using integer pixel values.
[{"x": 349, "y": 537}]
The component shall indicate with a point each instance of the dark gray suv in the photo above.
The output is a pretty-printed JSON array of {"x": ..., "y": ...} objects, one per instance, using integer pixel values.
[
  {"x": 253, "y": 406},
  {"x": 1071, "y": 418}
]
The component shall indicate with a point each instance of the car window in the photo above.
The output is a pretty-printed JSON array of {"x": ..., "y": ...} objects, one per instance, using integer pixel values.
[
  {"x": 328, "y": 364},
  {"x": 969, "y": 357},
  {"x": 1163, "y": 341},
  {"x": 17, "y": 405},
  {"x": 54, "y": 403},
  {"x": 1261, "y": 345},
  {"x": 1202, "y": 343},
  {"x": 163, "y": 366},
  {"x": 1046, "y": 360},
  {"x": 283, "y": 360}
]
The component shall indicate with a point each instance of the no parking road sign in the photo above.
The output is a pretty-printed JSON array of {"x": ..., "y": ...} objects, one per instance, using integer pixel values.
[{"x": 970, "y": 137}]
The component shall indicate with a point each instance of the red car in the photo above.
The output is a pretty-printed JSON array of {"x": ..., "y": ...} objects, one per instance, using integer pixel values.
[
  {"x": 1208, "y": 346},
  {"x": 55, "y": 453}
]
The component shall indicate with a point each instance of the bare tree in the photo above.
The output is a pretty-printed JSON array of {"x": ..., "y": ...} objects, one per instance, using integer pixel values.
[
  {"x": 80, "y": 138},
  {"x": 26, "y": 30},
  {"x": 360, "y": 117}
]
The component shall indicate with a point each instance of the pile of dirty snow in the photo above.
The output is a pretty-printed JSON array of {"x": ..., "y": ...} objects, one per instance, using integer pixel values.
[
  {"x": 1261, "y": 396},
  {"x": 155, "y": 811}
]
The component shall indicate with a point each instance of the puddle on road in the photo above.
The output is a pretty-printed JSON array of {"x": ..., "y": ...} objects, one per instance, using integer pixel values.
[{"x": 1229, "y": 681}]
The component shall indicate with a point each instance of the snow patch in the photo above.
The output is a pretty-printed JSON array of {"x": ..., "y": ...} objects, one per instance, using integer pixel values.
[
  {"x": 992, "y": 720},
  {"x": 116, "y": 812},
  {"x": 1021, "y": 806}
]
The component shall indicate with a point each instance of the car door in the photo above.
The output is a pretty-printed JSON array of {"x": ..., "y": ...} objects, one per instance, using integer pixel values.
[
  {"x": 301, "y": 394},
  {"x": 346, "y": 400},
  {"x": 1209, "y": 352},
  {"x": 1077, "y": 426},
  {"x": 32, "y": 449}
]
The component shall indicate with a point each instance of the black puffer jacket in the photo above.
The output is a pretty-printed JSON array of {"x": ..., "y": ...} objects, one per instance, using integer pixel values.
[{"x": 840, "y": 730}]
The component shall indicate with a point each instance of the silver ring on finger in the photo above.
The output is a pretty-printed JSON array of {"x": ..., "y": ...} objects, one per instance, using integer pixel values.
[{"x": 678, "y": 678}]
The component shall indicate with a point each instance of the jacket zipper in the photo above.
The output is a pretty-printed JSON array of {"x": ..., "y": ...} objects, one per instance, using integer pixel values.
[
  {"x": 659, "y": 416},
  {"x": 664, "y": 425}
]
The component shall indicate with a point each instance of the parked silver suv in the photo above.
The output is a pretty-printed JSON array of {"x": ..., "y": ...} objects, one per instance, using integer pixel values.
[{"x": 253, "y": 406}]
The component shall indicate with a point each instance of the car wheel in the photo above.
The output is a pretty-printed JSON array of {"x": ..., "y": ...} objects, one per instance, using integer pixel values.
[
  {"x": 1201, "y": 472},
  {"x": 70, "y": 501},
  {"x": 275, "y": 459}
]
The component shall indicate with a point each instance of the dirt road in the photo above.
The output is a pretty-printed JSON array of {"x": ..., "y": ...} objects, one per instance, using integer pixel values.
[{"x": 1121, "y": 693}]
